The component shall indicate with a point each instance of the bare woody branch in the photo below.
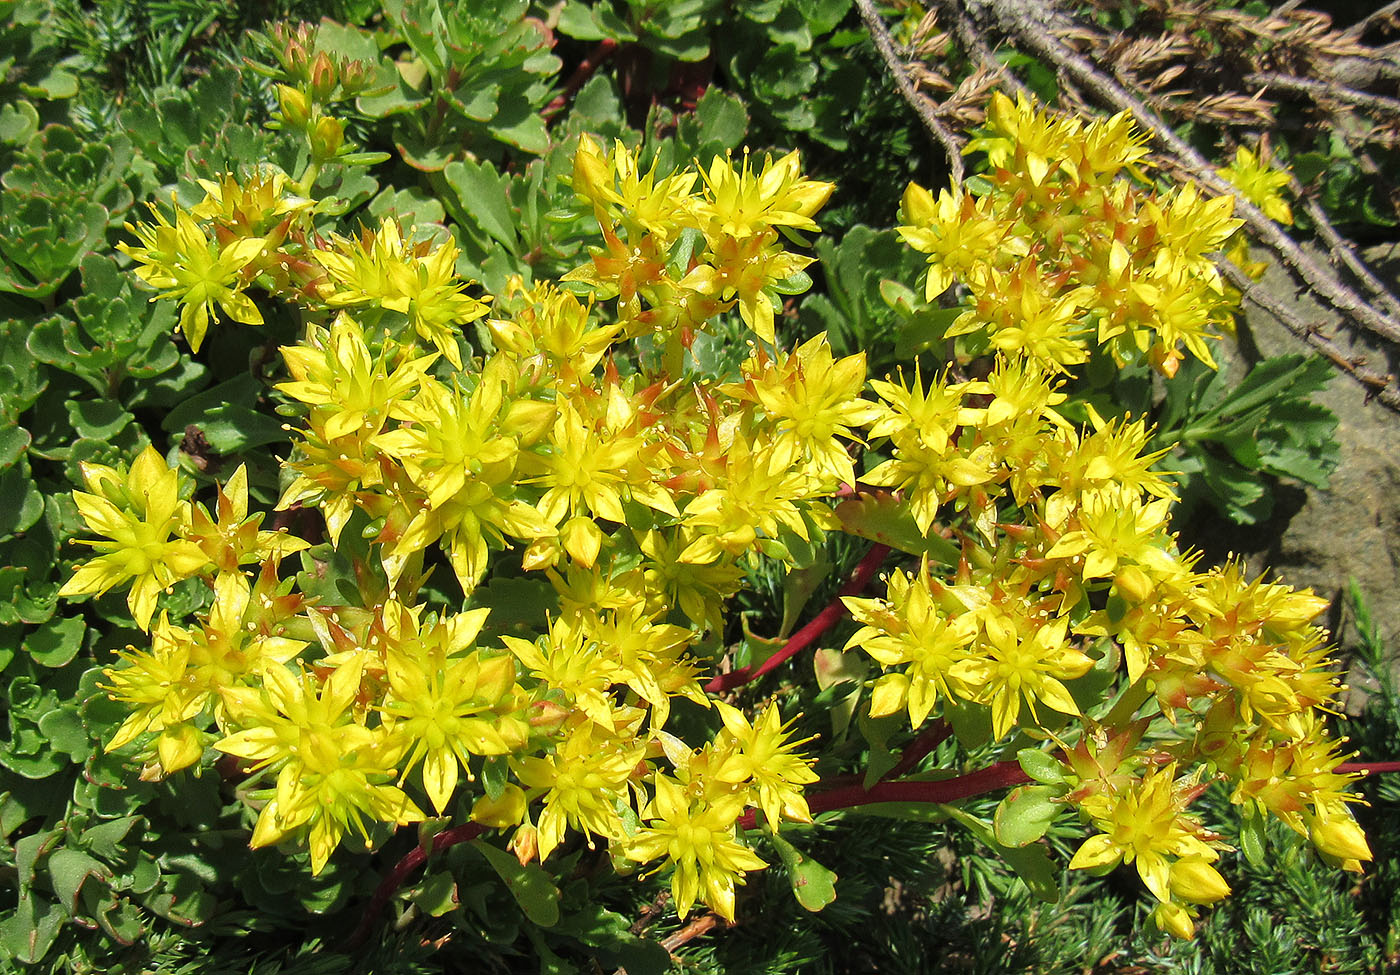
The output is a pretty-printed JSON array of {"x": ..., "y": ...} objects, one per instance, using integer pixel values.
[
  {"x": 920, "y": 104},
  {"x": 1039, "y": 28},
  {"x": 1378, "y": 386}
]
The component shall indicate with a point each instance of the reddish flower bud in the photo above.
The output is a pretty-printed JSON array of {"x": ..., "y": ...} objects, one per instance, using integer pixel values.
[{"x": 322, "y": 77}]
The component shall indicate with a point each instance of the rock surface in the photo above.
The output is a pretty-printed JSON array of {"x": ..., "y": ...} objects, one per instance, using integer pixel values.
[{"x": 1324, "y": 538}]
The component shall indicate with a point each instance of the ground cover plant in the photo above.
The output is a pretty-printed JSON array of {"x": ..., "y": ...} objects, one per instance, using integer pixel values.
[{"x": 477, "y": 457}]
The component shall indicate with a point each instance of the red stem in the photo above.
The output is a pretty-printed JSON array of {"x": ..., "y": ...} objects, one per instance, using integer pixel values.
[
  {"x": 999, "y": 776},
  {"x": 1369, "y": 768},
  {"x": 1002, "y": 775},
  {"x": 604, "y": 50},
  {"x": 395, "y": 878},
  {"x": 915, "y": 752},
  {"x": 808, "y": 635}
]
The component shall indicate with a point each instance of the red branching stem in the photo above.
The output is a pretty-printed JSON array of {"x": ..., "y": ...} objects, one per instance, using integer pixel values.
[
  {"x": 808, "y": 635},
  {"x": 604, "y": 50},
  {"x": 914, "y": 752},
  {"x": 918, "y": 749},
  {"x": 1369, "y": 768},
  {"x": 395, "y": 878},
  {"x": 1002, "y": 775}
]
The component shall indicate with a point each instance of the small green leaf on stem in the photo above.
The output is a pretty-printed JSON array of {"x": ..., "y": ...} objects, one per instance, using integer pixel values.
[
  {"x": 813, "y": 885},
  {"x": 529, "y": 885}
]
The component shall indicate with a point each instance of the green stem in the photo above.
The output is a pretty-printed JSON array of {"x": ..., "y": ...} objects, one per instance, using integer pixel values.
[
  {"x": 304, "y": 185},
  {"x": 1193, "y": 434}
]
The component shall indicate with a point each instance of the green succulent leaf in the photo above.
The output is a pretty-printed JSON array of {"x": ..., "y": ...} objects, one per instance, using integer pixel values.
[
  {"x": 813, "y": 885},
  {"x": 532, "y": 888},
  {"x": 1025, "y": 814}
]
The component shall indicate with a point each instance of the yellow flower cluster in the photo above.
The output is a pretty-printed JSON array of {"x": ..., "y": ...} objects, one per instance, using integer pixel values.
[
  {"x": 1061, "y": 248},
  {"x": 1260, "y": 183},
  {"x": 154, "y": 539},
  {"x": 1145, "y": 823},
  {"x": 637, "y": 496},
  {"x": 639, "y": 492},
  {"x": 1069, "y": 567},
  {"x": 674, "y": 257},
  {"x": 259, "y": 233}
]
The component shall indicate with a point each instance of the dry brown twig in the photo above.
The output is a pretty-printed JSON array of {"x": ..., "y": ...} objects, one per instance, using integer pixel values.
[
  {"x": 701, "y": 925},
  {"x": 1390, "y": 13},
  {"x": 885, "y": 45},
  {"x": 1379, "y": 386},
  {"x": 1325, "y": 90},
  {"x": 651, "y": 912},
  {"x": 1343, "y": 250},
  {"x": 1034, "y": 26}
]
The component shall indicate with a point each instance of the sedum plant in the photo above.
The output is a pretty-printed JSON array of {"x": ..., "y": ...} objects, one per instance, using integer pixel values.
[{"x": 583, "y": 446}]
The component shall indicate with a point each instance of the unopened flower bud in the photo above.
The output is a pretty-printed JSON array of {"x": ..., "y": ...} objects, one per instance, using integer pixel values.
[
  {"x": 294, "y": 57},
  {"x": 547, "y": 716},
  {"x": 179, "y": 747},
  {"x": 528, "y": 420},
  {"x": 295, "y": 44},
  {"x": 525, "y": 844},
  {"x": 295, "y": 108},
  {"x": 582, "y": 539},
  {"x": 1195, "y": 880},
  {"x": 1165, "y": 361},
  {"x": 105, "y": 482},
  {"x": 542, "y": 553},
  {"x": 918, "y": 205},
  {"x": 1133, "y": 583},
  {"x": 1340, "y": 837},
  {"x": 509, "y": 336},
  {"x": 327, "y": 137},
  {"x": 1174, "y": 919},
  {"x": 591, "y": 176},
  {"x": 354, "y": 75},
  {"x": 321, "y": 77}
]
